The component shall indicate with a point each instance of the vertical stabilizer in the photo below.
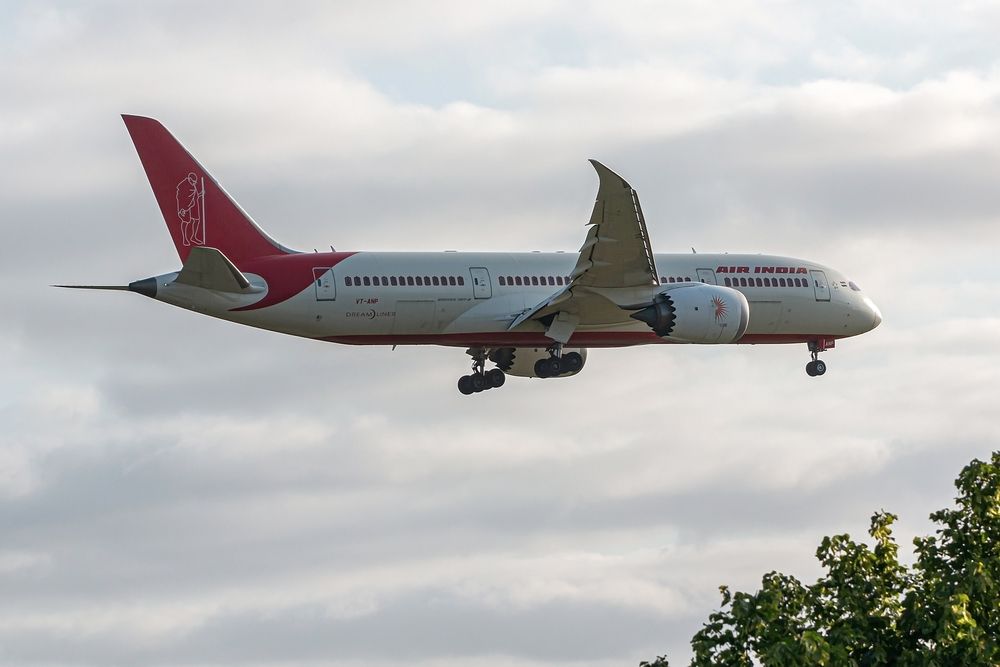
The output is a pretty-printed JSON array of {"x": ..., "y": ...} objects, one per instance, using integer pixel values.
[{"x": 198, "y": 212}]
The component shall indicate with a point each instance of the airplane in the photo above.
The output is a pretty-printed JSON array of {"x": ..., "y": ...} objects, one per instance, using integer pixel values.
[{"x": 529, "y": 314}]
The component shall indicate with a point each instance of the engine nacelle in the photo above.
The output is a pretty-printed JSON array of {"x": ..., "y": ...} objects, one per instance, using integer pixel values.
[
  {"x": 698, "y": 313},
  {"x": 520, "y": 361}
]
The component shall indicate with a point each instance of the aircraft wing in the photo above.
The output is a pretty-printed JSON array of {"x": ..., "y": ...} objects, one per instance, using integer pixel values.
[
  {"x": 617, "y": 251},
  {"x": 616, "y": 254}
]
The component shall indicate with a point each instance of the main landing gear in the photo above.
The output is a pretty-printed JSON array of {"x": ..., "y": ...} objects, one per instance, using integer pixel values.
[
  {"x": 817, "y": 366},
  {"x": 558, "y": 363},
  {"x": 480, "y": 379}
]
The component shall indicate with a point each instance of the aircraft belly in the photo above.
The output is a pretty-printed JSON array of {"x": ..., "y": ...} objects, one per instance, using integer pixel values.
[{"x": 765, "y": 317}]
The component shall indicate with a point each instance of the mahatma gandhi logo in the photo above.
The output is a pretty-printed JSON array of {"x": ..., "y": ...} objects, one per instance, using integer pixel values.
[{"x": 191, "y": 209}]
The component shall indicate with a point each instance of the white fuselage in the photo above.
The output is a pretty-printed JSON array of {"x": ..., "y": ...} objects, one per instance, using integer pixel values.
[{"x": 470, "y": 298}]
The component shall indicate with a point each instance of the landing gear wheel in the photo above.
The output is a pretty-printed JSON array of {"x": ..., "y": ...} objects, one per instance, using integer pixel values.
[
  {"x": 495, "y": 378},
  {"x": 480, "y": 379},
  {"x": 556, "y": 366},
  {"x": 816, "y": 366},
  {"x": 572, "y": 362},
  {"x": 543, "y": 368}
]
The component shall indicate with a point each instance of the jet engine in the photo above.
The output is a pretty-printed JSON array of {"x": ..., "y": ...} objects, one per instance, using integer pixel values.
[
  {"x": 697, "y": 313},
  {"x": 521, "y": 361}
]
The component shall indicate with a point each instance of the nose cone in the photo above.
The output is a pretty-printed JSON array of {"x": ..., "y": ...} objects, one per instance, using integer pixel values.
[{"x": 875, "y": 312}]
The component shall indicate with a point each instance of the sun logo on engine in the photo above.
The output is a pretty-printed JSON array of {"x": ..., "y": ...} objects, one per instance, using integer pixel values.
[{"x": 720, "y": 308}]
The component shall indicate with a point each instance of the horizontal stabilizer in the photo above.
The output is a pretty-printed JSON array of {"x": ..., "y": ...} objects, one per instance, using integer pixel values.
[{"x": 208, "y": 268}]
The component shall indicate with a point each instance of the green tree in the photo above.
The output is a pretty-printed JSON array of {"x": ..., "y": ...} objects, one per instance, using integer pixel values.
[{"x": 868, "y": 609}]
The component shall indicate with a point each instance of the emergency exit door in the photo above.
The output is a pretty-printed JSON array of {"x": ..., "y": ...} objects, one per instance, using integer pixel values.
[
  {"x": 820, "y": 285},
  {"x": 707, "y": 276},
  {"x": 326, "y": 288},
  {"x": 481, "y": 286}
]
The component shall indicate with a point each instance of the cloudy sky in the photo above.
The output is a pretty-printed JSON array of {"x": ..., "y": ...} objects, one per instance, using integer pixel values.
[{"x": 177, "y": 490}]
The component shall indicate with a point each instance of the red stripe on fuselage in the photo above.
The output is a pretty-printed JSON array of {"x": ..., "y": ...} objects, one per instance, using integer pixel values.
[
  {"x": 287, "y": 275},
  {"x": 539, "y": 339}
]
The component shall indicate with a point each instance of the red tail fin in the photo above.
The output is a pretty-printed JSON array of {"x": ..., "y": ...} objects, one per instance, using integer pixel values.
[{"x": 198, "y": 212}]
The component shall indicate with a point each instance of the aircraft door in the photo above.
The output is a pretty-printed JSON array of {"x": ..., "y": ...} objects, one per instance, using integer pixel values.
[
  {"x": 481, "y": 286},
  {"x": 820, "y": 285},
  {"x": 326, "y": 286},
  {"x": 707, "y": 276}
]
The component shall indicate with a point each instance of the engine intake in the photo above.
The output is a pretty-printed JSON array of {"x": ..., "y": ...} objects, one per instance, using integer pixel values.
[{"x": 697, "y": 313}]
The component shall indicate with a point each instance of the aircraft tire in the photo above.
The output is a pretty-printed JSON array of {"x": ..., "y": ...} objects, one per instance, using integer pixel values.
[
  {"x": 572, "y": 362},
  {"x": 495, "y": 378},
  {"x": 543, "y": 368},
  {"x": 556, "y": 366},
  {"x": 819, "y": 366},
  {"x": 465, "y": 385},
  {"x": 478, "y": 382},
  {"x": 811, "y": 369}
]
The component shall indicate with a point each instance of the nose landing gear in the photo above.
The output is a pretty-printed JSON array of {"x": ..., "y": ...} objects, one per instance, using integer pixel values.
[
  {"x": 817, "y": 366},
  {"x": 480, "y": 379}
]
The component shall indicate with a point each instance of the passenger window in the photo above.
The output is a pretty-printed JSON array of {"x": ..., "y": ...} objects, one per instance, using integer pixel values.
[
  {"x": 385, "y": 281},
  {"x": 782, "y": 281},
  {"x": 552, "y": 280},
  {"x": 743, "y": 282},
  {"x": 760, "y": 283},
  {"x": 409, "y": 281},
  {"x": 663, "y": 279},
  {"x": 392, "y": 281},
  {"x": 461, "y": 280},
  {"x": 503, "y": 281},
  {"x": 534, "y": 280},
  {"x": 347, "y": 281},
  {"x": 728, "y": 282},
  {"x": 420, "y": 281},
  {"x": 367, "y": 281},
  {"x": 559, "y": 280},
  {"x": 436, "y": 282},
  {"x": 451, "y": 280},
  {"x": 518, "y": 279}
]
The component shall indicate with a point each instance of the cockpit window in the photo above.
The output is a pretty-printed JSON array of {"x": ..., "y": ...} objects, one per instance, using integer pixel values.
[{"x": 854, "y": 286}]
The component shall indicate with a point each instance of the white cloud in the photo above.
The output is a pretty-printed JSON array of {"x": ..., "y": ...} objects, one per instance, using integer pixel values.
[{"x": 268, "y": 500}]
